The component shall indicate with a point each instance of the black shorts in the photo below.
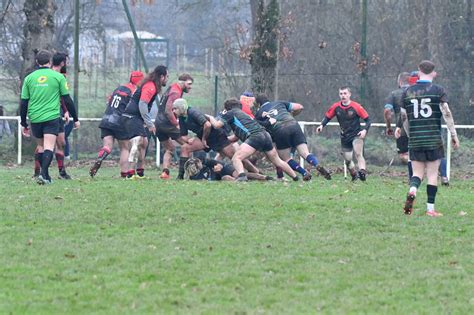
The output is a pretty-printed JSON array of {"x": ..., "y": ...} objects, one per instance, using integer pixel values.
[
  {"x": 134, "y": 126},
  {"x": 261, "y": 141},
  {"x": 119, "y": 134},
  {"x": 427, "y": 155},
  {"x": 62, "y": 123},
  {"x": 289, "y": 136},
  {"x": 217, "y": 140},
  {"x": 347, "y": 143},
  {"x": 228, "y": 169},
  {"x": 50, "y": 127},
  {"x": 402, "y": 144},
  {"x": 166, "y": 132}
]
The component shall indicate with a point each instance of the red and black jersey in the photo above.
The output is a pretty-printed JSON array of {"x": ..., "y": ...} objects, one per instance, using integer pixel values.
[
  {"x": 116, "y": 105},
  {"x": 174, "y": 92},
  {"x": 146, "y": 93},
  {"x": 348, "y": 117}
]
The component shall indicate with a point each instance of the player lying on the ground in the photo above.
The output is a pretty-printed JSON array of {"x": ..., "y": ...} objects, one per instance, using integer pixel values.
[
  {"x": 348, "y": 115},
  {"x": 111, "y": 127},
  {"x": 253, "y": 136},
  {"x": 277, "y": 118},
  {"x": 216, "y": 170}
]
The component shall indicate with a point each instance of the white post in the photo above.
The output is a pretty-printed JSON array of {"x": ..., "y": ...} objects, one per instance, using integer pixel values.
[
  {"x": 448, "y": 155},
  {"x": 158, "y": 151},
  {"x": 19, "y": 140}
]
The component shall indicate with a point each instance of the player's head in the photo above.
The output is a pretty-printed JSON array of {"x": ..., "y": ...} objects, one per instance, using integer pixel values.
[
  {"x": 136, "y": 77},
  {"x": 60, "y": 60},
  {"x": 345, "y": 93},
  {"x": 180, "y": 107},
  {"x": 413, "y": 78},
  {"x": 43, "y": 58},
  {"x": 403, "y": 78},
  {"x": 186, "y": 82},
  {"x": 247, "y": 99},
  {"x": 159, "y": 76},
  {"x": 232, "y": 103},
  {"x": 192, "y": 167},
  {"x": 261, "y": 99},
  {"x": 426, "y": 67}
]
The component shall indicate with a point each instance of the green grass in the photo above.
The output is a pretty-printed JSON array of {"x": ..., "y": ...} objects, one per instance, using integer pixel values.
[{"x": 113, "y": 246}]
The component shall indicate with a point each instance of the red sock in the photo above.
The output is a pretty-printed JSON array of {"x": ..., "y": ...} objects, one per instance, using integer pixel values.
[
  {"x": 140, "y": 172},
  {"x": 60, "y": 160},
  {"x": 103, "y": 151},
  {"x": 130, "y": 173}
]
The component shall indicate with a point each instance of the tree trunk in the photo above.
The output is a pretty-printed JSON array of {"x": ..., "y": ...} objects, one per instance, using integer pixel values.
[{"x": 38, "y": 30}]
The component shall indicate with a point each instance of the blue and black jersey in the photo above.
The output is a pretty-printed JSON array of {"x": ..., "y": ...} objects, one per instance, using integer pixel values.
[{"x": 241, "y": 123}]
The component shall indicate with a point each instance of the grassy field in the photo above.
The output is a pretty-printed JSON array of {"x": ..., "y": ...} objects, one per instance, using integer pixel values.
[{"x": 113, "y": 246}]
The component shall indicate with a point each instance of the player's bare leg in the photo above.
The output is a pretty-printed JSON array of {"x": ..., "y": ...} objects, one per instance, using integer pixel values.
[
  {"x": 242, "y": 153},
  {"x": 107, "y": 145},
  {"x": 124, "y": 153},
  {"x": 272, "y": 155},
  {"x": 167, "y": 156},
  {"x": 358, "y": 145}
]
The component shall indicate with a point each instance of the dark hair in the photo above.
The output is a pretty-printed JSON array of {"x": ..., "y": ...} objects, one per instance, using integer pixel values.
[
  {"x": 155, "y": 77},
  {"x": 426, "y": 66},
  {"x": 232, "y": 103},
  {"x": 185, "y": 77},
  {"x": 345, "y": 87},
  {"x": 403, "y": 77},
  {"x": 43, "y": 57},
  {"x": 261, "y": 99},
  {"x": 58, "y": 58}
]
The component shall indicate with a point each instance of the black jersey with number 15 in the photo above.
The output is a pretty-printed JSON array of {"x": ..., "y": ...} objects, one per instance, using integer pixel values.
[{"x": 422, "y": 104}]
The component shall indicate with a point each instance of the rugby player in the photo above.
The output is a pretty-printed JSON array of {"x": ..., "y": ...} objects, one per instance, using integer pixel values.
[
  {"x": 166, "y": 124},
  {"x": 216, "y": 170},
  {"x": 41, "y": 93},
  {"x": 278, "y": 119},
  {"x": 137, "y": 117},
  {"x": 423, "y": 105},
  {"x": 348, "y": 114},
  {"x": 111, "y": 127},
  {"x": 208, "y": 137},
  {"x": 252, "y": 134}
]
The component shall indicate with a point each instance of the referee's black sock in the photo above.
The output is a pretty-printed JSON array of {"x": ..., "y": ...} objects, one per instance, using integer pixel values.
[{"x": 47, "y": 158}]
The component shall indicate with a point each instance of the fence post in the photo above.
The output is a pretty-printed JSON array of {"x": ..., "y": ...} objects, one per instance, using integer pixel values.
[{"x": 216, "y": 81}]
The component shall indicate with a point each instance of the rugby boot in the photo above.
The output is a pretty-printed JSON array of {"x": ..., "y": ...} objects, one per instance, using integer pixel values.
[
  {"x": 354, "y": 174},
  {"x": 363, "y": 175},
  {"x": 408, "y": 208},
  {"x": 307, "y": 176},
  {"x": 444, "y": 181},
  {"x": 165, "y": 174},
  {"x": 324, "y": 172},
  {"x": 63, "y": 174},
  {"x": 95, "y": 167},
  {"x": 43, "y": 181},
  {"x": 434, "y": 213}
]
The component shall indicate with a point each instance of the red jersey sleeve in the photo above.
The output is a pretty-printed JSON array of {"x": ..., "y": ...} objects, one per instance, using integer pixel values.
[
  {"x": 360, "y": 110},
  {"x": 148, "y": 92},
  {"x": 332, "y": 111}
]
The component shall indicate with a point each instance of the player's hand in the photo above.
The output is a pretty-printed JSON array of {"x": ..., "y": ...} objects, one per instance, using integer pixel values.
[
  {"x": 152, "y": 129},
  {"x": 319, "y": 129},
  {"x": 77, "y": 124},
  {"x": 204, "y": 143},
  {"x": 389, "y": 131},
  {"x": 25, "y": 132},
  {"x": 455, "y": 142},
  {"x": 362, "y": 133},
  {"x": 398, "y": 132},
  {"x": 67, "y": 118}
]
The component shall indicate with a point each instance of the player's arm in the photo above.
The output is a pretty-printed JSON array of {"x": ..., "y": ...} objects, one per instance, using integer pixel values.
[
  {"x": 448, "y": 118},
  {"x": 173, "y": 96},
  {"x": 68, "y": 102},
  {"x": 24, "y": 112},
  {"x": 206, "y": 130},
  {"x": 214, "y": 122},
  {"x": 387, "y": 115},
  {"x": 401, "y": 122},
  {"x": 327, "y": 118}
]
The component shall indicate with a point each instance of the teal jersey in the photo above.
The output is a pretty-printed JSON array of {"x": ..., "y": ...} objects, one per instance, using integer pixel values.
[
  {"x": 422, "y": 104},
  {"x": 44, "y": 88}
]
